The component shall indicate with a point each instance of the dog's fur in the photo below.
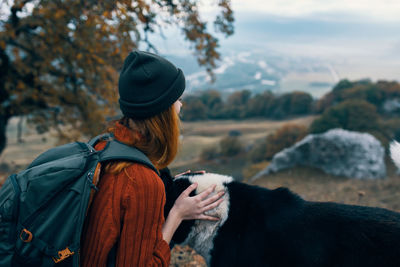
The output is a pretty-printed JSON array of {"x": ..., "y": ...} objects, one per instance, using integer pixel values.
[{"x": 262, "y": 227}]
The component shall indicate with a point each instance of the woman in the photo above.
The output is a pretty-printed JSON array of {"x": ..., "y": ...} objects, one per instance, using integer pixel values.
[{"x": 127, "y": 211}]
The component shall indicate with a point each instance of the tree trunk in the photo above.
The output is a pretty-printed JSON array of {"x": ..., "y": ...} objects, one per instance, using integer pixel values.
[
  {"x": 4, "y": 98},
  {"x": 19, "y": 129},
  {"x": 3, "y": 129}
]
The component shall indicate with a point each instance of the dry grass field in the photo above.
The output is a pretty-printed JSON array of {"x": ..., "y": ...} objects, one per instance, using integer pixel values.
[
  {"x": 17, "y": 155},
  {"x": 314, "y": 185},
  {"x": 311, "y": 184},
  {"x": 198, "y": 135}
]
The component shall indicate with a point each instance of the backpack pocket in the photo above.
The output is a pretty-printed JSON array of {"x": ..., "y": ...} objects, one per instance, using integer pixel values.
[
  {"x": 45, "y": 181},
  {"x": 9, "y": 197}
]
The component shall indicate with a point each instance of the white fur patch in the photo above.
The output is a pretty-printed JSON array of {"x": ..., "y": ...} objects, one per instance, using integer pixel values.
[
  {"x": 203, "y": 232},
  {"x": 395, "y": 153},
  {"x": 206, "y": 180}
]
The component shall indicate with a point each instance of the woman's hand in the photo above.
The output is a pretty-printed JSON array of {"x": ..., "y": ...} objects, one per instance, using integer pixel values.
[{"x": 191, "y": 208}]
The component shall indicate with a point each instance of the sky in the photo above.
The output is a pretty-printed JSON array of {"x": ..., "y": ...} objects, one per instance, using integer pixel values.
[
  {"x": 354, "y": 39},
  {"x": 360, "y": 38},
  {"x": 378, "y": 10}
]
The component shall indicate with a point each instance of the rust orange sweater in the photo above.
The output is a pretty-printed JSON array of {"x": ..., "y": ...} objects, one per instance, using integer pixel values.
[{"x": 128, "y": 210}]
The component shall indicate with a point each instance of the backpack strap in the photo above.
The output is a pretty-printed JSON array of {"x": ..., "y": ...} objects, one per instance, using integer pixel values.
[
  {"x": 116, "y": 150},
  {"x": 15, "y": 212},
  {"x": 96, "y": 139}
]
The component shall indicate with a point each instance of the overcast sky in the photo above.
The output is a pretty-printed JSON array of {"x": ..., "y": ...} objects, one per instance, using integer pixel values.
[
  {"x": 380, "y": 10},
  {"x": 364, "y": 35}
]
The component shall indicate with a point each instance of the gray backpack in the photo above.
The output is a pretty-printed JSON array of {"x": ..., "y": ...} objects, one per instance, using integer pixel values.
[{"x": 43, "y": 208}]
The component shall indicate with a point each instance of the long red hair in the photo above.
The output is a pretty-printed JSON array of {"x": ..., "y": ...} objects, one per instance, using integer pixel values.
[{"x": 157, "y": 137}]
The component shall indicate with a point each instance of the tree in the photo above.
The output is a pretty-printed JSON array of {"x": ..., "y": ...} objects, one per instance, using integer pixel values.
[
  {"x": 194, "y": 109},
  {"x": 213, "y": 101},
  {"x": 230, "y": 146},
  {"x": 261, "y": 105},
  {"x": 353, "y": 115},
  {"x": 235, "y": 106},
  {"x": 301, "y": 103},
  {"x": 374, "y": 93},
  {"x": 59, "y": 59},
  {"x": 335, "y": 96},
  {"x": 342, "y": 85}
]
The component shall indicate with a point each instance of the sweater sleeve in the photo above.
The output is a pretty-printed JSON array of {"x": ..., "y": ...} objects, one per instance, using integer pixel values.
[{"x": 141, "y": 241}]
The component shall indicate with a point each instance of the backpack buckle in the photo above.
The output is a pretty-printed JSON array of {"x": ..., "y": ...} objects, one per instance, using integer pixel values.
[
  {"x": 63, "y": 254},
  {"x": 25, "y": 236}
]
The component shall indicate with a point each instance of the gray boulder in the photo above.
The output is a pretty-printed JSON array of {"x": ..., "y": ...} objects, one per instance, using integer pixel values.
[{"x": 337, "y": 151}]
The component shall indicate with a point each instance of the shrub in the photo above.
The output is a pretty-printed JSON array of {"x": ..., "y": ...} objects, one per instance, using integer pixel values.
[
  {"x": 230, "y": 146},
  {"x": 253, "y": 169},
  {"x": 258, "y": 152},
  {"x": 284, "y": 137},
  {"x": 209, "y": 153},
  {"x": 353, "y": 115},
  {"x": 389, "y": 129},
  {"x": 234, "y": 133}
]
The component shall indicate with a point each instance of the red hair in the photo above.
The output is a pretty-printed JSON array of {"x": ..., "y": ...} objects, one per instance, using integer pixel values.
[{"x": 157, "y": 137}]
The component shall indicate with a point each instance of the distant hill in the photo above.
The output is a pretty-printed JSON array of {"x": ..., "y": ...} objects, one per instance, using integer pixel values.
[
  {"x": 282, "y": 53},
  {"x": 260, "y": 71}
]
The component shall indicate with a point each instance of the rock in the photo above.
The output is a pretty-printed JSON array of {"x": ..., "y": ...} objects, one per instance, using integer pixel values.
[
  {"x": 395, "y": 154},
  {"x": 186, "y": 257},
  {"x": 338, "y": 152},
  {"x": 391, "y": 105},
  {"x": 235, "y": 133}
]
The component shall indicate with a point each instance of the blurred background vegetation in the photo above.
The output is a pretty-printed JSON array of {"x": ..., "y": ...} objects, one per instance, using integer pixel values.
[{"x": 59, "y": 59}]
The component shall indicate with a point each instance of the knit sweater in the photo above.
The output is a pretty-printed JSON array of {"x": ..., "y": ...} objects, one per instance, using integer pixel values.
[{"x": 128, "y": 210}]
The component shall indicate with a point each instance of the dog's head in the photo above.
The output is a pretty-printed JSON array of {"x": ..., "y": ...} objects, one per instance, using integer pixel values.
[{"x": 175, "y": 186}]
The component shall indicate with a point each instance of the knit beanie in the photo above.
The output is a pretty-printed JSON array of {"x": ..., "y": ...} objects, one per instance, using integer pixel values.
[{"x": 148, "y": 84}]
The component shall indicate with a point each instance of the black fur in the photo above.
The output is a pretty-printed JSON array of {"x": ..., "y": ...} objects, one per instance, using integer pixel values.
[
  {"x": 173, "y": 189},
  {"x": 278, "y": 228}
]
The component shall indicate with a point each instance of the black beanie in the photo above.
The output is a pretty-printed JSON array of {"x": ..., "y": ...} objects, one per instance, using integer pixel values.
[{"x": 148, "y": 84}]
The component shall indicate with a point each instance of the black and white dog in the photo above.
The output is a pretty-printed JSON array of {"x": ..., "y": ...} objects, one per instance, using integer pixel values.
[{"x": 262, "y": 227}]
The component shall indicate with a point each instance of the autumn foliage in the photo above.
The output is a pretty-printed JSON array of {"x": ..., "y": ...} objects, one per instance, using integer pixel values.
[
  {"x": 59, "y": 59},
  {"x": 282, "y": 138}
]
